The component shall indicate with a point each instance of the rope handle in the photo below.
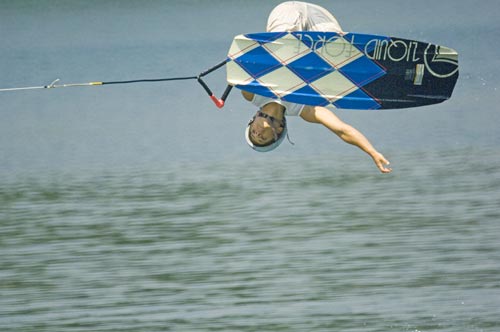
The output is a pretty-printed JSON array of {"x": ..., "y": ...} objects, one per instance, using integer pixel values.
[{"x": 218, "y": 102}]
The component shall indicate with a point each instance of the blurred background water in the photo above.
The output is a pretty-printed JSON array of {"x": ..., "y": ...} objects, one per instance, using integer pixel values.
[{"x": 140, "y": 208}]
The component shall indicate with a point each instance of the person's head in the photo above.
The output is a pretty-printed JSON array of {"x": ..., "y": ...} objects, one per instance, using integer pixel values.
[{"x": 264, "y": 132}]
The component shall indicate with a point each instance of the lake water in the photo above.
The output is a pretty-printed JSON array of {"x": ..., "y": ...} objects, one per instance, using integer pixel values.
[{"x": 140, "y": 207}]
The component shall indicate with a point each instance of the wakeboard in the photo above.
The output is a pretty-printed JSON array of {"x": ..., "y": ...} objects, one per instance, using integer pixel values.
[{"x": 348, "y": 71}]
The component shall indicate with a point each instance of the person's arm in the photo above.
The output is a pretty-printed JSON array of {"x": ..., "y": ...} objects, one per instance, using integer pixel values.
[
  {"x": 247, "y": 95},
  {"x": 318, "y": 114}
]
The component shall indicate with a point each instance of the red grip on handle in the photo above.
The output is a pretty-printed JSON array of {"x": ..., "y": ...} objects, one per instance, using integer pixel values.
[{"x": 218, "y": 102}]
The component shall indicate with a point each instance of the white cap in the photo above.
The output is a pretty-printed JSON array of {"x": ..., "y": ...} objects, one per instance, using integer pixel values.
[{"x": 269, "y": 147}]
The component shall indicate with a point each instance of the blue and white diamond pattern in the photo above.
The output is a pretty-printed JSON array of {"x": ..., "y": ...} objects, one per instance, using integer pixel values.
[{"x": 313, "y": 68}]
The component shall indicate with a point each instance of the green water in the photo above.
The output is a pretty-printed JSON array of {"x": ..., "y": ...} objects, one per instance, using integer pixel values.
[{"x": 214, "y": 247}]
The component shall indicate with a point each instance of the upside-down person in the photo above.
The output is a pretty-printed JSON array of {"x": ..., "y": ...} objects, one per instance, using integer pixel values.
[{"x": 268, "y": 127}]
